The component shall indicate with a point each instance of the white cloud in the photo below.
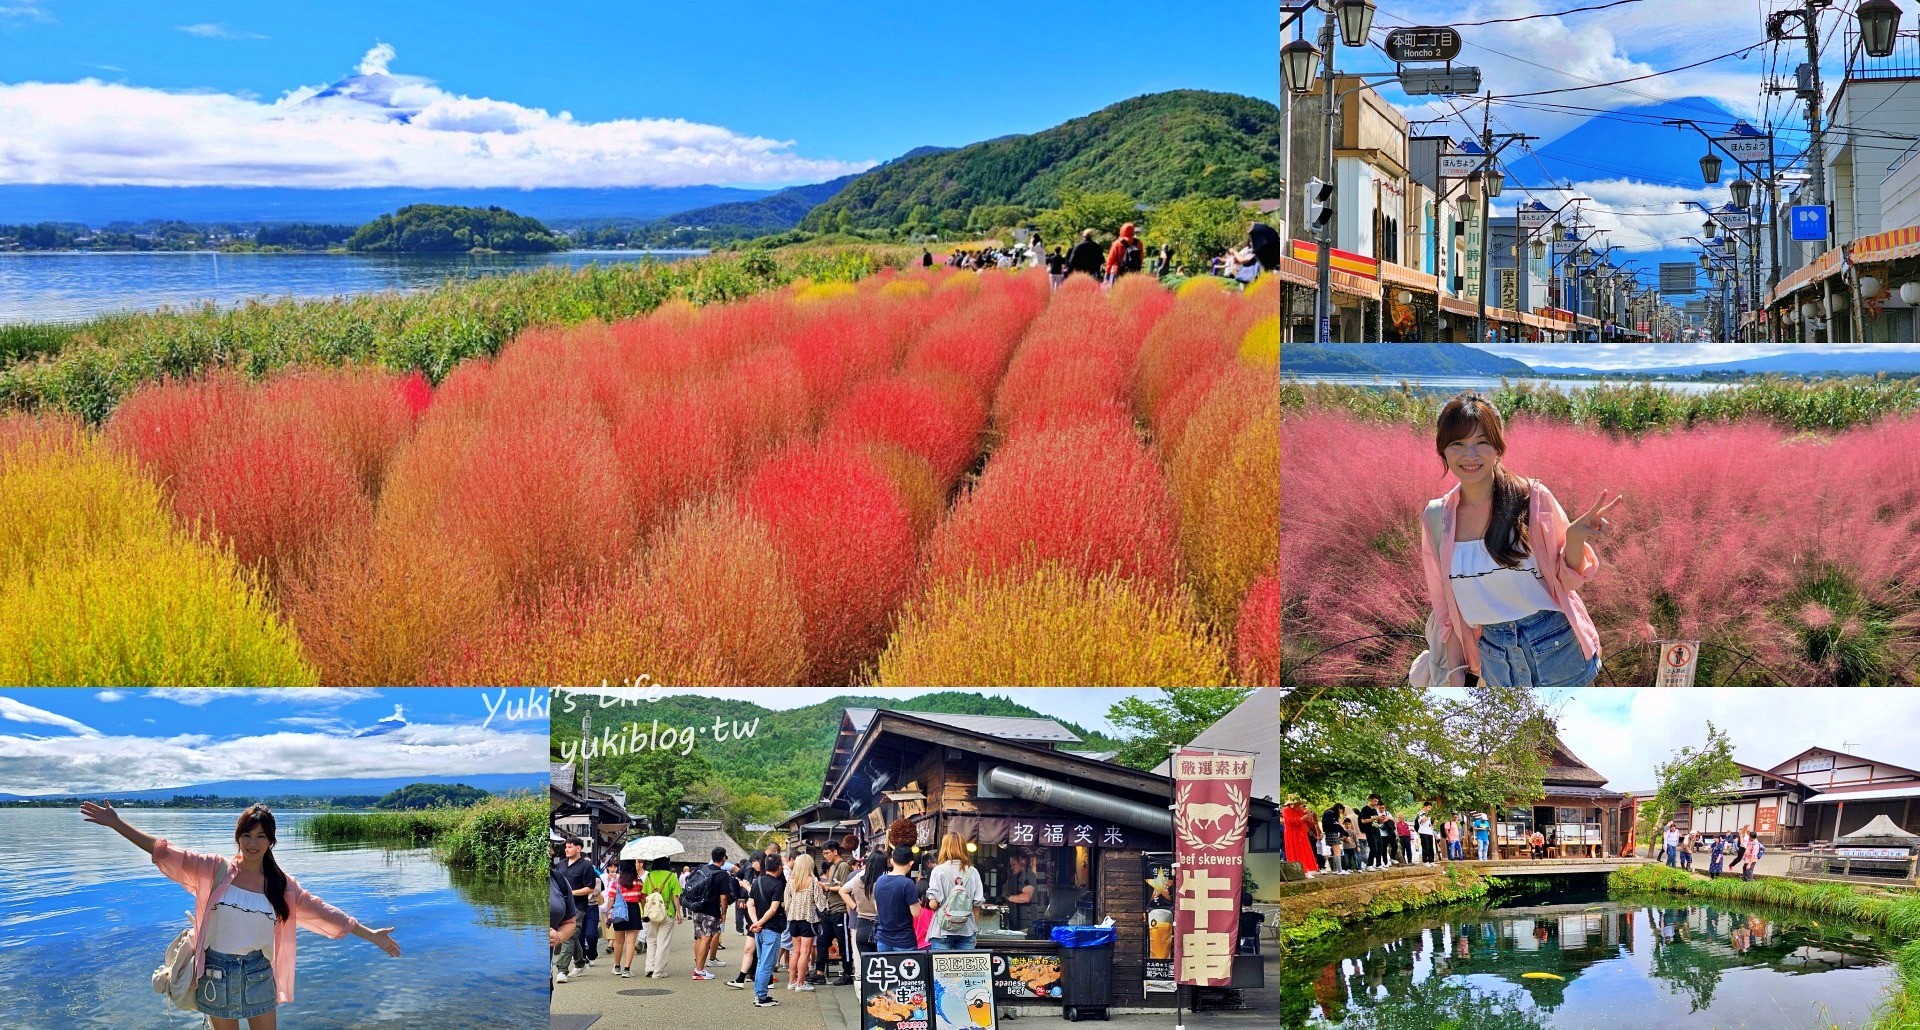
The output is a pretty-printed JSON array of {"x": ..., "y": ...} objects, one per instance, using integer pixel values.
[
  {"x": 215, "y": 30},
  {"x": 374, "y": 128},
  {"x": 98, "y": 763},
  {"x": 15, "y": 711},
  {"x": 23, "y": 10},
  {"x": 110, "y": 696},
  {"x": 317, "y": 696}
]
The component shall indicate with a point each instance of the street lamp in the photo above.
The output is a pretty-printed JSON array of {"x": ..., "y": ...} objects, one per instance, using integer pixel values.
[
  {"x": 1742, "y": 190},
  {"x": 1493, "y": 181},
  {"x": 1705, "y": 261},
  {"x": 1712, "y": 227},
  {"x": 1710, "y": 168},
  {"x": 1298, "y": 60},
  {"x": 1539, "y": 248},
  {"x": 1356, "y": 21},
  {"x": 1879, "y": 24}
]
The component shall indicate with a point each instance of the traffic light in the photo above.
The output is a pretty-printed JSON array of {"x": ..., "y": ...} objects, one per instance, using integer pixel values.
[{"x": 1320, "y": 199}]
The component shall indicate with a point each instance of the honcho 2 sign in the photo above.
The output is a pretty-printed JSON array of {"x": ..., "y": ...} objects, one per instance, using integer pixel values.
[{"x": 1422, "y": 43}]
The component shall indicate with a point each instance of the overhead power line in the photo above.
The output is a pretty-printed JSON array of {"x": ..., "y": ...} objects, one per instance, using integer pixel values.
[{"x": 1556, "y": 14}]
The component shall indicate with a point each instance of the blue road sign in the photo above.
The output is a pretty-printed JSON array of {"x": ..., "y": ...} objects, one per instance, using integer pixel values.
[{"x": 1810, "y": 222}]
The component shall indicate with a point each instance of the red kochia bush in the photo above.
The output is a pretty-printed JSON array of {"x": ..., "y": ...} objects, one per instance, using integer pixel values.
[
  {"x": 675, "y": 447},
  {"x": 939, "y": 420},
  {"x": 1089, "y": 497},
  {"x": 162, "y": 424},
  {"x": 1256, "y": 636},
  {"x": 1193, "y": 339},
  {"x": 847, "y": 543},
  {"x": 361, "y": 414},
  {"x": 973, "y": 342},
  {"x": 275, "y": 491},
  {"x": 540, "y": 498}
]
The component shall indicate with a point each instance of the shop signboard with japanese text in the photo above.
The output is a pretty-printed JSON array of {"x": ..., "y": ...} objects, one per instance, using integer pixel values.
[
  {"x": 1066, "y": 833},
  {"x": 1024, "y": 978},
  {"x": 1157, "y": 903},
  {"x": 962, "y": 990},
  {"x": 895, "y": 989},
  {"x": 1211, "y": 791}
]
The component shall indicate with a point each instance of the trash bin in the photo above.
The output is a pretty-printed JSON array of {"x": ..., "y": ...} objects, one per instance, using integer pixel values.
[{"x": 1086, "y": 971}]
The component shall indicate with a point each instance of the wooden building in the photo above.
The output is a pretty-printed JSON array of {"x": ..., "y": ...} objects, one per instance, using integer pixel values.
[
  {"x": 596, "y": 812},
  {"x": 1088, "y": 827},
  {"x": 1764, "y": 801},
  {"x": 1850, "y": 791},
  {"x": 1577, "y": 814}
]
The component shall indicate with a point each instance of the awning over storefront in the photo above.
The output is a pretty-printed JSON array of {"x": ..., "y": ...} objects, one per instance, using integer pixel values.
[
  {"x": 1411, "y": 278},
  {"x": 1887, "y": 246},
  {"x": 1339, "y": 260},
  {"x": 1456, "y": 306},
  {"x": 1354, "y": 285},
  {"x": 1587, "y": 320},
  {"x": 1503, "y": 315},
  {"x": 1825, "y": 265},
  {"x": 1297, "y": 272}
]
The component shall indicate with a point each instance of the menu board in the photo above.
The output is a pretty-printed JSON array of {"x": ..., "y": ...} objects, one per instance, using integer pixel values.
[
  {"x": 896, "y": 986},
  {"x": 962, "y": 990},
  {"x": 1020, "y": 978}
]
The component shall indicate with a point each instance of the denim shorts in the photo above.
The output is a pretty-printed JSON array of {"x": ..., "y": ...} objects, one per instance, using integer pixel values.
[
  {"x": 236, "y": 986},
  {"x": 1539, "y": 650}
]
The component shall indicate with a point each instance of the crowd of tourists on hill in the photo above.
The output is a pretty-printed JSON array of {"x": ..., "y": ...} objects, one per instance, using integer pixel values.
[{"x": 1128, "y": 254}]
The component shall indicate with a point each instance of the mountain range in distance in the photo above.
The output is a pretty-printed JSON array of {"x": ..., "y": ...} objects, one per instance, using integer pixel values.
[
  {"x": 495, "y": 783},
  {"x": 1795, "y": 363},
  {"x": 96, "y": 206},
  {"x": 1397, "y": 359}
]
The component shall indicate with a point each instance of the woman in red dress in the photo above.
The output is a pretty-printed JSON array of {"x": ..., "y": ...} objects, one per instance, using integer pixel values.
[{"x": 1295, "y": 844}]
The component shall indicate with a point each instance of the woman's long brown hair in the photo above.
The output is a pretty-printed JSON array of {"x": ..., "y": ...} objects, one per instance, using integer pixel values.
[
  {"x": 1506, "y": 536},
  {"x": 261, "y": 816}
]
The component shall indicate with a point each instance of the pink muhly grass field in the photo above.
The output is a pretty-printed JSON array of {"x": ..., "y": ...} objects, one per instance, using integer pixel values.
[
  {"x": 846, "y": 540},
  {"x": 1720, "y": 530},
  {"x": 1088, "y": 497}
]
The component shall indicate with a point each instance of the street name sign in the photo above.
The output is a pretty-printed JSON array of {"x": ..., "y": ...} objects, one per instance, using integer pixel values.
[
  {"x": 1422, "y": 43},
  {"x": 1678, "y": 278}
]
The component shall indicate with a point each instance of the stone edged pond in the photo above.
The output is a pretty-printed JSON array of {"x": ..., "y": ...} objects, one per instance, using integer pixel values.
[{"x": 1568, "y": 956}]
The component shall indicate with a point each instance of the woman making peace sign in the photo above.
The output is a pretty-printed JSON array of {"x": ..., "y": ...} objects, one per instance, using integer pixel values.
[{"x": 1503, "y": 564}]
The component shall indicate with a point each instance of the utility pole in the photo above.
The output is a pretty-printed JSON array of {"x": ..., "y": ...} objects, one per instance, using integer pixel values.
[{"x": 1323, "y": 261}]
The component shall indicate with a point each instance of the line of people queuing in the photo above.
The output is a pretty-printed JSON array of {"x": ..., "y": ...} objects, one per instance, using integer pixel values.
[
  {"x": 1740, "y": 847},
  {"x": 800, "y": 913},
  {"x": 1343, "y": 840},
  {"x": 1127, "y": 255}
]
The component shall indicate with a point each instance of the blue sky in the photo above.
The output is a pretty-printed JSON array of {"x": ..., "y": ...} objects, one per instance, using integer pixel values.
[
  {"x": 837, "y": 85},
  {"x": 59, "y": 739},
  {"x": 1087, "y": 707}
]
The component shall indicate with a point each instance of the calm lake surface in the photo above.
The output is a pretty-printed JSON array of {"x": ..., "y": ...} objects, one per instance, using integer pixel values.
[
  {"x": 1454, "y": 384},
  {"x": 65, "y": 287},
  {"x": 85, "y": 918},
  {"x": 1671, "y": 963}
]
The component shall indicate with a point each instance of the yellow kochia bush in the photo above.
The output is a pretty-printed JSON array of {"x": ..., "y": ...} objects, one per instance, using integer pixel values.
[
  {"x": 1050, "y": 627},
  {"x": 1225, "y": 474},
  {"x": 97, "y": 587}
]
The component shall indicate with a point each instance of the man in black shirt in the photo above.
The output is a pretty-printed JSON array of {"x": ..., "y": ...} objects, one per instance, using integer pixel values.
[
  {"x": 1086, "y": 256},
  {"x": 1370, "y": 818},
  {"x": 766, "y": 908},
  {"x": 579, "y": 877},
  {"x": 709, "y": 888}
]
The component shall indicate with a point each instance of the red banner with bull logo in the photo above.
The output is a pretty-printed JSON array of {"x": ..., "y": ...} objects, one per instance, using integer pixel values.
[{"x": 1210, "y": 792}]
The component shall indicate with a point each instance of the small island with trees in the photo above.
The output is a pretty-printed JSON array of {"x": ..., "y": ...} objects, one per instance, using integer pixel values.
[{"x": 440, "y": 229}]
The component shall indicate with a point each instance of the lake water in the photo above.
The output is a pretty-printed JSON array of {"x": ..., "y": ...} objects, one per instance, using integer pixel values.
[
  {"x": 85, "y": 918},
  {"x": 1674, "y": 964},
  {"x": 64, "y": 287},
  {"x": 1487, "y": 384}
]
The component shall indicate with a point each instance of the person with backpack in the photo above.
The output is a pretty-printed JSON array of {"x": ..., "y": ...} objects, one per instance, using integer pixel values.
[
  {"x": 660, "y": 910},
  {"x": 766, "y": 903},
  {"x": 236, "y": 961},
  {"x": 833, "y": 919},
  {"x": 624, "y": 899},
  {"x": 955, "y": 890},
  {"x": 1125, "y": 255},
  {"x": 709, "y": 888},
  {"x": 1750, "y": 853},
  {"x": 893, "y": 903},
  {"x": 859, "y": 898}
]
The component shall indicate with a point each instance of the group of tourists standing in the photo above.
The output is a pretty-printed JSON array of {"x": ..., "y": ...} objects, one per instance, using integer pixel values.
[
  {"x": 1343, "y": 840},
  {"x": 1740, "y": 848}
]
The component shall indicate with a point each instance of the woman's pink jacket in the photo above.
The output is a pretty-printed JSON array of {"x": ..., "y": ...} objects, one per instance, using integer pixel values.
[
  {"x": 197, "y": 873},
  {"x": 1547, "y": 532}
]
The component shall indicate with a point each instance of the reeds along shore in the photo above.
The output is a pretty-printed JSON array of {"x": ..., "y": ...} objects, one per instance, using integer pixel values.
[{"x": 504, "y": 835}]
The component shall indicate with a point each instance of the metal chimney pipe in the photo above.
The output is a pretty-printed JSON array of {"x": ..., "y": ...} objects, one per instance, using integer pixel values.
[{"x": 1039, "y": 789}]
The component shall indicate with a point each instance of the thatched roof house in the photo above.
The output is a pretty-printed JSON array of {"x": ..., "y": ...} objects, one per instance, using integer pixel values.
[{"x": 699, "y": 837}]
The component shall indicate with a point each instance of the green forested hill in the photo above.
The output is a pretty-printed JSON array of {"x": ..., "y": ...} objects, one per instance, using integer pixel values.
[
  {"x": 786, "y": 757},
  {"x": 438, "y": 228},
  {"x": 1154, "y": 148}
]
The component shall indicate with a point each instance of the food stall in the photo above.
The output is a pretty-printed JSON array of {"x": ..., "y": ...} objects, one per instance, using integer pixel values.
[{"x": 1084, "y": 829}]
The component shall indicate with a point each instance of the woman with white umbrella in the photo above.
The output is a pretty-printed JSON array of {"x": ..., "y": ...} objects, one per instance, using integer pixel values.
[{"x": 659, "y": 881}]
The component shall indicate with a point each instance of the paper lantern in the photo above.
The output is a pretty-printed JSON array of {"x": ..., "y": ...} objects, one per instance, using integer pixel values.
[
  {"x": 1910, "y": 292},
  {"x": 1869, "y": 287}
]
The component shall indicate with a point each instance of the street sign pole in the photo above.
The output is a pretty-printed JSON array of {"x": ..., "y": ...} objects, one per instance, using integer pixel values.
[{"x": 1323, "y": 266}]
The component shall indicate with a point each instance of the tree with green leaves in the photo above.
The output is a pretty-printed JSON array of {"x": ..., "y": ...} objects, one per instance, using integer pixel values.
[
  {"x": 1104, "y": 213},
  {"x": 1696, "y": 777},
  {"x": 1180, "y": 714},
  {"x": 1198, "y": 227},
  {"x": 657, "y": 782}
]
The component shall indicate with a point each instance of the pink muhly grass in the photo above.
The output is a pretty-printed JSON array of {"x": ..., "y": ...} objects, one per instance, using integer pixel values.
[
  {"x": 162, "y": 425},
  {"x": 941, "y": 419},
  {"x": 1088, "y": 497},
  {"x": 274, "y": 492},
  {"x": 1256, "y": 634},
  {"x": 847, "y": 542}
]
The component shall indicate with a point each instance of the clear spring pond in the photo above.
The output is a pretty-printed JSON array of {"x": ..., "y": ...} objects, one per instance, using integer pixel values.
[{"x": 1667, "y": 962}]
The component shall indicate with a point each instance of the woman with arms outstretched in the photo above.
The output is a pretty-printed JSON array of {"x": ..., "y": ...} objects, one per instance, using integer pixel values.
[{"x": 245, "y": 912}]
